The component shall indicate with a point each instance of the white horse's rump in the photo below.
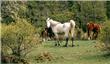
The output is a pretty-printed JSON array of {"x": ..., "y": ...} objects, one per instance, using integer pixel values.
[{"x": 58, "y": 27}]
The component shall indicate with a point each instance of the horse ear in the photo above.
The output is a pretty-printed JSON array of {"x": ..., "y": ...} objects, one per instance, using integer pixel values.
[
  {"x": 48, "y": 18},
  {"x": 88, "y": 23}
]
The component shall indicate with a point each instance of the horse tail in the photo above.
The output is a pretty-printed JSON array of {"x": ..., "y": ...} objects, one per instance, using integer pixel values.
[
  {"x": 72, "y": 23},
  {"x": 72, "y": 27}
]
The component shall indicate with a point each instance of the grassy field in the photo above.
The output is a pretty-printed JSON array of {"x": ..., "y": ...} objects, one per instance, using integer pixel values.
[{"x": 84, "y": 52}]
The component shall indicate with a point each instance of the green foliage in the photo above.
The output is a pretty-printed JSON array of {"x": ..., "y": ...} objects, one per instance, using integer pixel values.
[
  {"x": 63, "y": 17},
  {"x": 10, "y": 10},
  {"x": 104, "y": 37},
  {"x": 38, "y": 11},
  {"x": 20, "y": 37}
]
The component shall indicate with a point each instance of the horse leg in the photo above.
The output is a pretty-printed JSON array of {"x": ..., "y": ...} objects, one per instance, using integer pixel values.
[
  {"x": 89, "y": 35},
  {"x": 57, "y": 42},
  {"x": 96, "y": 35},
  {"x": 66, "y": 35},
  {"x": 72, "y": 41},
  {"x": 93, "y": 36},
  {"x": 66, "y": 42},
  {"x": 44, "y": 40}
]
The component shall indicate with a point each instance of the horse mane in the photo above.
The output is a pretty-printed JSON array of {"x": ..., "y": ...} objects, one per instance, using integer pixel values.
[{"x": 53, "y": 22}]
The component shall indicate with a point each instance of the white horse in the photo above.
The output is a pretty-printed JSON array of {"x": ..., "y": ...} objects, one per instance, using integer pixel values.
[{"x": 67, "y": 28}]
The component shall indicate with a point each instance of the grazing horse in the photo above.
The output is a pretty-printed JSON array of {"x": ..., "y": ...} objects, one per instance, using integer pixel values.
[
  {"x": 47, "y": 32},
  {"x": 51, "y": 35},
  {"x": 66, "y": 28},
  {"x": 44, "y": 34},
  {"x": 93, "y": 27}
]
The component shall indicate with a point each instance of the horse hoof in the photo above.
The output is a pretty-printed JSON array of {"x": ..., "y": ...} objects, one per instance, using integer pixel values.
[
  {"x": 65, "y": 46},
  {"x": 58, "y": 44},
  {"x": 55, "y": 44},
  {"x": 89, "y": 39},
  {"x": 73, "y": 45}
]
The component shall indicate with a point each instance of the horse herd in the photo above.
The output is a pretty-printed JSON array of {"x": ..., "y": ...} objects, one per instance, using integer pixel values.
[{"x": 55, "y": 30}]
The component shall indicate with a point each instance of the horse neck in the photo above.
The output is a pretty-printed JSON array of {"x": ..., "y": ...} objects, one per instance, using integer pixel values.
[{"x": 53, "y": 23}]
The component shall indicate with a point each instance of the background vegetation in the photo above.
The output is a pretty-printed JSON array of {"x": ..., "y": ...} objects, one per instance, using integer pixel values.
[
  {"x": 104, "y": 37},
  {"x": 38, "y": 11}
]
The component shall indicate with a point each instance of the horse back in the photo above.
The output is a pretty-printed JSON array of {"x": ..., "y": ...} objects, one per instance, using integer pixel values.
[{"x": 93, "y": 26}]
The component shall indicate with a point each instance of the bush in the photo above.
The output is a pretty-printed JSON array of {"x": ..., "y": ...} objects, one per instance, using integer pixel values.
[
  {"x": 104, "y": 37},
  {"x": 44, "y": 56},
  {"x": 20, "y": 37}
]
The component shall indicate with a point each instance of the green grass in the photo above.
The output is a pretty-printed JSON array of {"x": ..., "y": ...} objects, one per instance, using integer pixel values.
[{"x": 84, "y": 52}]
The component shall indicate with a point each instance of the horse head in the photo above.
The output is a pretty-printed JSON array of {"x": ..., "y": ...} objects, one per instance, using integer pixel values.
[
  {"x": 48, "y": 22},
  {"x": 48, "y": 19}
]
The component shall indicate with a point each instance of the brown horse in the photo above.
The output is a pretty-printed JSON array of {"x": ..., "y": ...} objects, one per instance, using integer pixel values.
[{"x": 93, "y": 27}]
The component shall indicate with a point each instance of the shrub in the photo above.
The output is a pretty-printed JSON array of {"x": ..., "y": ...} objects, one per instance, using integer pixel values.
[
  {"x": 20, "y": 37},
  {"x": 104, "y": 37},
  {"x": 44, "y": 56}
]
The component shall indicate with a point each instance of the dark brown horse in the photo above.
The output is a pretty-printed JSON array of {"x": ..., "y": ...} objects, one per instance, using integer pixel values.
[
  {"x": 47, "y": 33},
  {"x": 93, "y": 27},
  {"x": 44, "y": 34}
]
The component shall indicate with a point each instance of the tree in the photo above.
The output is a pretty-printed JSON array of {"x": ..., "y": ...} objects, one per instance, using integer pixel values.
[
  {"x": 89, "y": 11},
  {"x": 38, "y": 11}
]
